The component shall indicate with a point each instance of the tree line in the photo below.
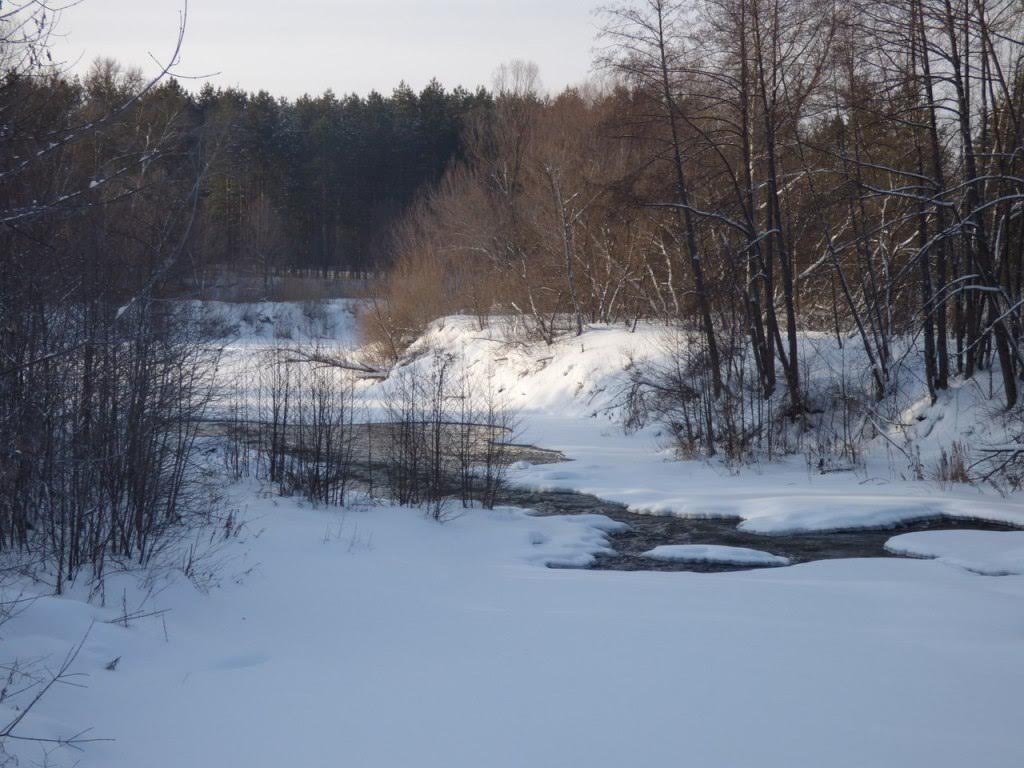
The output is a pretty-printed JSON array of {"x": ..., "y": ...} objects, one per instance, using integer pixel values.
[
  {"x": 317, "y": 182},
  {"x": 751, "y": 169}
]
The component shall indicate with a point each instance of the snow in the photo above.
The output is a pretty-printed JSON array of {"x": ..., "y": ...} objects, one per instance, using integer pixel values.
[
  {"x": 715, "y": 553},
  {"x": 821, "y": 512},
  {"x": 375, "y": 637},
  {"x": 249, "y": 330},
  {"x": 378, "y": 638},
  {"x": 573, "y": 545},
  {"x": 990, "y": 553}
]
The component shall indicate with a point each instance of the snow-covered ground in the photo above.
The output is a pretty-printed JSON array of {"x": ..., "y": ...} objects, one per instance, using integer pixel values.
[
  {"x": 376, "y": 638},
  {"x": 379, "y": 639}
]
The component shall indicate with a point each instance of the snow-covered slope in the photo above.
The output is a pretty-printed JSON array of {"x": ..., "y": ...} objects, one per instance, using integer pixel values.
[
  {"x": 576, "y": 376},
  {"x": 570, "y": 396}
]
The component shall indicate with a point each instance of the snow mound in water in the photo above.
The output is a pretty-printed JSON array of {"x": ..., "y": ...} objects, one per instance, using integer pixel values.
[
  {"x": 796, "y": 514},
  {"x": 559, "y": 545},
  {"x": 989, "y": 553},
  {"x": 850, "y": 511},
  {"x": 715, "y": 553}
]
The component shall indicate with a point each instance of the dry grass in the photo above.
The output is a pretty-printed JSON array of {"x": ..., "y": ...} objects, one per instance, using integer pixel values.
[{"x": 952, "y": 465}]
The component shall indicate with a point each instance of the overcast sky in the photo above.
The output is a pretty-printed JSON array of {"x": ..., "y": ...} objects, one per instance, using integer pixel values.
[{"x": 291, "y": 47}]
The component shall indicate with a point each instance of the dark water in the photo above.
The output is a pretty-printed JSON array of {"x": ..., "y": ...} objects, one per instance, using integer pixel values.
[{"x": 649, "y": 531}]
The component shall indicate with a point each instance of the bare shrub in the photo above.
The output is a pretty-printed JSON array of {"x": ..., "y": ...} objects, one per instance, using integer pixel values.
[
  {"x": 98, "y": 443},
  {"x": 838, "y": 425},
  {"x": 418, "y": 456},
  {"x": 488, "y": 427},
  {"x": 674, "y": 390},
  {"x": 321, "y": 455},
  {"x": 952, "y": 465},
  {"x": 304, "y": 430},
  {"x": 446, "y": 437},
  {"x": 413, "y": 295}
]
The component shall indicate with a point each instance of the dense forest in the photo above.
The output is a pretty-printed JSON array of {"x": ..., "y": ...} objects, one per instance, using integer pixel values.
[
  {"x": 313, "y": 183},
  {"x": 316, "y": 183}
]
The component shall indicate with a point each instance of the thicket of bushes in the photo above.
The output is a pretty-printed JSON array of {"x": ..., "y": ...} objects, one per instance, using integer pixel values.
[
  {"x": 428, "y": 436},
  {"x": 102, "y": 384}
]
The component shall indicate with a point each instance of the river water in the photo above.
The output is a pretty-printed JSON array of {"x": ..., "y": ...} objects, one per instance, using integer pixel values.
[
  {"x": 645, "y": 532},
  {"x": 649, "y": 531}
]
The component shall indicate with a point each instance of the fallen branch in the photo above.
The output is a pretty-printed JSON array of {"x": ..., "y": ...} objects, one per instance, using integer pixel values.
[{"x": 328, "y": 361}]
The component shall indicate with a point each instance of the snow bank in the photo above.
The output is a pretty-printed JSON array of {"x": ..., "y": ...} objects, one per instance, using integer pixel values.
[
  {"x": 796, "y": 514},
  {"x": 990, "y": 553},
  {"x": 799, "y": 514},
  {"x": 570, "y": 395},
  {"x": 575, "y": 376},
  {"x": 715, "y": 553},
  {"x": 778, "y": 498}
]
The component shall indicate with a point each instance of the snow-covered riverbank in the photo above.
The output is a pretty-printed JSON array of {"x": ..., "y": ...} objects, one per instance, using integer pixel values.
[{"x": 376, "y": 638}]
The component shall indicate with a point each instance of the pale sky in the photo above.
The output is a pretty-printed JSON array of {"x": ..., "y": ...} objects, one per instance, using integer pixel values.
[{"x": 290, "y": 47}]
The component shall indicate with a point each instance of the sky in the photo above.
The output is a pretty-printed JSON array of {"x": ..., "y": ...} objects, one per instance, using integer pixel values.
[{"x": 291, "y": 47}]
